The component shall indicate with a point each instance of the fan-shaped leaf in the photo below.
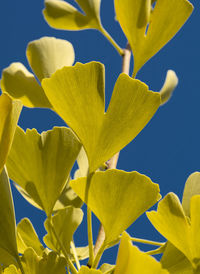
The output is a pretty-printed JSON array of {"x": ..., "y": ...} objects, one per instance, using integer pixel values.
[
  {"x": 111, "y": 196},
  {"x": 131, "y": 260},
  {"x": 65, "y": 223},
  {"x": 9, "y": 112},
  {"x": 41, "y": 163},
  {"x": 148, "y": 31},
  {"x": 77, "y": 95},
  {"x": 11, "y": 270},
  {"x": 27, "y": 237},
  {"x": 62, "y": 15}
]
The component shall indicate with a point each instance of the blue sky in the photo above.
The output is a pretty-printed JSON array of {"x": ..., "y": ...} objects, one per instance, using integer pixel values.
[{"x": 168, "y": 149}]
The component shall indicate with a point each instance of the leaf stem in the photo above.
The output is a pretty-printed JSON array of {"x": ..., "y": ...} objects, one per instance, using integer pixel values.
[
  {"x": 69, "y": 262},
  {"x": 75, "y": 254},
  {"x": 112, "y": 163},
  {"x": 99, "y": 255},
  {"x": 144, "y": 241},
  {"x": 111, "y": 40}
]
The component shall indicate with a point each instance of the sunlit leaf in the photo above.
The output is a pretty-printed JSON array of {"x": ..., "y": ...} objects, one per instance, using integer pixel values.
[
  {"x": 62, "y": 15},
  {"x": 192, "y": 187},
  {"x": 83, "y": 164},
  {"x": 131, "y": 260},
  {"x": 82, "y": 253},
  {"x": 86, "y": 270},
  {"x": 48, "y": 54},
  {"x": 82, "y": 107},
  {"x": 169, "y": 86},
  {"x": 148, "y": 31},
  {"x": 45, "y": 56},
  {"x": 27, "y": 237},
  {"x": 114, "y": 192},
  {"x": 11, "y": 270},
  {"x": 107, "y": 268},
  {"x": 9, "y": 113},
  {"x": 65, "y": 223},
  {"x": 19, "y": 83},
  {"x": 50, "y": 264},
  {"x": 175, "y": 261},
  {"x": 41, "y": 163},
  {"x": 8, "y": 244}
]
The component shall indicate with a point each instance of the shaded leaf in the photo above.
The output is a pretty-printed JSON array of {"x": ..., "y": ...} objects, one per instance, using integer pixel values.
[
  {"x": 27, "y": 237},
  {"x": 8, "y": 244},
  {"x": 62, "y": 15},
  {"x": 148, "y": 31},
  {"x": 113, "y": 192},
  {"x": 9, "y": 112},
  {"x": 192, "y": 187},
  {"x": 131, "y": 260},
  {"x": 65, "y": 223},
  {"x": 169, "y": 86},
  {"x": 175, "y": 261},
  {"x": 49, "y": 54},
  {"x": 11, "y": 270},
  {"x": 19, "y": 83},
  {"x": 82, "y": 253},
  {"x": 86, "y": 270},
  {"x": 41, "y": 163},
  {"x": 82, "y": 108},
  {"x": 107, "y": 268}
]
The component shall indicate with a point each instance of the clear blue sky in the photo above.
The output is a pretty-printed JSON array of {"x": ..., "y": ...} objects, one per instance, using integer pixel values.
[{"x": 168, "y": 149}]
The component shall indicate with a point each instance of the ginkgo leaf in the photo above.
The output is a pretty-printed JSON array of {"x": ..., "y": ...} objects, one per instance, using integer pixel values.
[
  {"x": 21, "y": 84},
  {"x": 45, "y": 56},
  {"x": 175, "y": 261},
  {"x": 107, "y": 268},
  {"x": 169, "y": 86},
  {"x": 65, "y": 223},
  {"x": 41, "y": 163},
  {"x": 171, "y": 221},
  {"x": 27, "y": 237},
  {"x": 50, "y": 264},
  {"x": 8, "y": 244},
  {"x": 111, "y": 194},
  {"x": 82, "y": 253},
  {"x": 192, "y": 187},
  {"x": 82, "y": 161},
  {"x": 86, "y": 270},
  {"x": 62, "y": 15},
  {"x": 9, "y": 112},
  {"x": 149, "y": 30},
  {"x": 131, "y": 260},
  {"x": 49, "y": 54},
  {"x": 82, "y": 107},
  {"x": 11, "y": 270}
]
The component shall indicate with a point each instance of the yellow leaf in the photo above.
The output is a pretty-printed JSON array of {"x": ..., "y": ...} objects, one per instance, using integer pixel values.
[
  {"x": 62, "y": 15},
  {"x": 131, "y": 260},
  {"x": 45, "y": 56},
  {"x": 86, "y": 270},
  {"x": 41, "y": 163},
  {"x": 9, "y": 112},
  {"x": 77, "y": 95},
  {"x": 148, "y": 31},
  {"x": 11, "y": 270},
  {"x": 169, "y": 86},
  {"x": 111, "y": 196}
]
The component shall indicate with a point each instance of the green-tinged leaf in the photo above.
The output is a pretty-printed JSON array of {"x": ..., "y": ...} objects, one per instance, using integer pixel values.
[
  {"x": 82, "y": 108},
  {"x": 62, "y": 15},
  {"x": 146, "y": 31},
  {"x": 27, "y": 237},
  {"x": 19, "y": 83},
  {"x": 9, "y": 113},
  {"x": 107, "y": 268},
  {"x": 114, "y": 192},
  {"x": 8, "y": 244},
  {"x": 192, "y": 187},
  {"x": 49, "y": 54},
  {"x": 86, "y": 270},
  {"x": 169, "y": 86},
  {"x": 131, "y": 260},
  {"x": 11, "y": 270},
  {"x": 171, "y": 221},
  {"x": 41, "y": 163},
  {"x": 50, "y": 264},
  {"x": 65, "y": 223},
  {"x": 175, "y": 261}
]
